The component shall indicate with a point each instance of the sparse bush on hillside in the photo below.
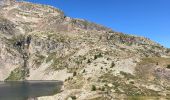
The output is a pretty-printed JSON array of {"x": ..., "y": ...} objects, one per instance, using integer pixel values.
[
  {"x": 157, "y": 63},
  {"x": 75, "y": 73},
  {"x": 93, "y": 88},
  {"x": 103, "y": 88},
  {"x": 51, "y": 56},
  {"x": 16, "y": 74},
  {"x": 69, "y": 78},
  {"x": 168, "y": 66},
  {"x": 84, "y": 71},
  {"x": 73, "y": 97},
  {"x": 97, "y": 56},
  {"x": 127, "y": 75},
  {"x": 88, "y": 61},
  {"x": 132, "y": 82},
  {"x": 112, "y": 64}
]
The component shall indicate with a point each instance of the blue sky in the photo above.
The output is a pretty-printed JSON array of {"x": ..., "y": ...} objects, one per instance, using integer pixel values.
[{"x": 148, "y": 18}]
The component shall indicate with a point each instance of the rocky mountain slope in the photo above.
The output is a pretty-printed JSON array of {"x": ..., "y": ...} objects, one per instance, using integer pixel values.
[{"x": 38, "y": 42}]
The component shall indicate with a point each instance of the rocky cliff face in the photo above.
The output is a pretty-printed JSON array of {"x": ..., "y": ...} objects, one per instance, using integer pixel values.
[
  {"x": 39, "y": 42},
  {"x": 7, "y": 2}
]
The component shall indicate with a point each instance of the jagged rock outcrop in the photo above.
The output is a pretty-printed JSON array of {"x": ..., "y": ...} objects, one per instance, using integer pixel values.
[{"x": 85, "y": 55}]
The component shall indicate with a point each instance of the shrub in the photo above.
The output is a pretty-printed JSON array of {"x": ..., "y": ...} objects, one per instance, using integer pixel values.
[
  {"x": 69, "y": 78},
  {"x": 74, "y": 73},
  {"x": 84, "y": 71},
  {"x": 157, "y": 63},
  {"x": 168, "y": 66},
  {"x": 127, "y": 75},
  {"x": 88, "y": 61},
  {"x": 93, "y": 88},
  {"x": 112, "y": 64},
  {"x": 103, "y": 88},
  {"x": 132, "y": 82},
  {"x": 97, "y": 56},
  {"x": 16, "y": 74},
  {"x": 73, "y": 97}
]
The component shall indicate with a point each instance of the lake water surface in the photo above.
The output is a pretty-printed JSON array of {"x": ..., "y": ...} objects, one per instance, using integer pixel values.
[{"x": 22, "y": 90}]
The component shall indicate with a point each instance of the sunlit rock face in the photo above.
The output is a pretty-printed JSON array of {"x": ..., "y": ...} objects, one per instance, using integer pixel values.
[{"x": 6, "y": 2}]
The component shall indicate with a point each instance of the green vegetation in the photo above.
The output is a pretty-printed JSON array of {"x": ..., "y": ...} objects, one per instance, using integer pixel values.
[
  {"x": 79, "y": 60},
  {"x": 100, "y": 98},
  {"x": 51, "y": 36},
  {"x": 112, "y": 64},
  {"x": 15, "y": 39},
  {"x": 58, "y": 64},
  {"x": 73, "y": 97},
  {"x": 51, "y": 56},
  {"x": 75, "y": 73},
  {"x": 39, "y": 59},
  {"x": 84, "y": 71},
  {"x": 102, "y": 88},
  {"x": 16, "y": 74},
  {"x": 97, "y": 56},
  {"x": 75, "y": 83},
  {"x": 88, "y": 61},
  {"x": 121, "y": 87},
  {"x": 93, "y": 88},
  {"x": 127, "y": 75},
  {"x": 168, "y": 66},
  {"x": 132, "y": 82}
]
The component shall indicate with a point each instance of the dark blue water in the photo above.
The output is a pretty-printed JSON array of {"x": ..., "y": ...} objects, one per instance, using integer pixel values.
[{"x": 22, "y": 90}]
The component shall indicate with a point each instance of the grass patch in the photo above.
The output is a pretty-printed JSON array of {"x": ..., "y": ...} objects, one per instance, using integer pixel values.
[
  {"x": 58, "y": 64},
  {"x": 16, "y": 74},
  {"x": 39, "y": 59},
  {"x": 51, "y": 56},
  {"x": 121, "y": 87},
  {"x": 75, "y": 83}
]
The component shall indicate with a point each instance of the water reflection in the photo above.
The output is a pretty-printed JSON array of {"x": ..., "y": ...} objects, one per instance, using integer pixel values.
[{"x": 22, "y": 90}]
